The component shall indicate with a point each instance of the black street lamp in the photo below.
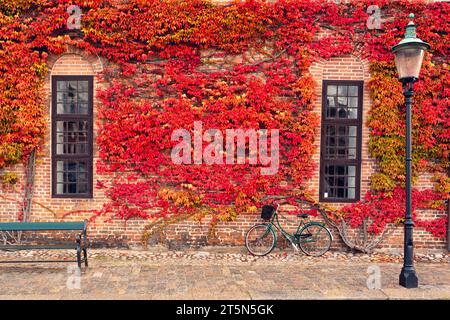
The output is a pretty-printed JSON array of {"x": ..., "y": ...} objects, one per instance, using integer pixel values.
[{"x": 409, "y": 54}]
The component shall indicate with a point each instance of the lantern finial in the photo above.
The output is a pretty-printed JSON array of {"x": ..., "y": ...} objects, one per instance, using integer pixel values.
[{"x": 410, "y": 28}]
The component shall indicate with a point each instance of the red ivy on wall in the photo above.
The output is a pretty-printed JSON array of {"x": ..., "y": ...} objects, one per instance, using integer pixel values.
[{"x": 244, "y": 65}]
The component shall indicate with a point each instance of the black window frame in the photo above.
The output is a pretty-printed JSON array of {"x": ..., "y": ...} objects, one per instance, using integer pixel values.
[
  {"x": 344, "y": 121},
  {"x": 89, "y": 118}
]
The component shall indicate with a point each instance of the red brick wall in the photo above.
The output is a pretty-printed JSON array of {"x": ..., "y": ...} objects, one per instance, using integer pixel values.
[{"x": 46, "y": 208}]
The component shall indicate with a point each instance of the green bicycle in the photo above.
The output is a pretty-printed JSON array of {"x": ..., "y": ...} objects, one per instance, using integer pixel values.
[{"x": 313, "y": 238}]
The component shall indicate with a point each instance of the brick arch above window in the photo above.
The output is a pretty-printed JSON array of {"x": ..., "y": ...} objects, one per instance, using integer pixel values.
[
  {"x": 74, "y": 62},
  {"x": 348, "y": 67},
  {"x": 71, "y": 64}
]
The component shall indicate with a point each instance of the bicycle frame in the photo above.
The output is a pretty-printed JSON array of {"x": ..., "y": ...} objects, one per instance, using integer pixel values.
[{"x": 274, "y": 222}]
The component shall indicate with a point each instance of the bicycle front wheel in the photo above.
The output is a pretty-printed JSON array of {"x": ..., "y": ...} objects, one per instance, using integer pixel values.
[
  {"x": 260, "y": 239},
  {"x": 315, "y": 240}
]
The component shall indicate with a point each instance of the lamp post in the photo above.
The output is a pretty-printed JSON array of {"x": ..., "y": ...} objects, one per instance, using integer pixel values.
[{"x": 409, "y": 54}]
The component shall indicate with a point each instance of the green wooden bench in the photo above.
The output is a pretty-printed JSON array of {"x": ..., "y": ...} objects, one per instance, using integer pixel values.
[{"x": 79, "y": 245}]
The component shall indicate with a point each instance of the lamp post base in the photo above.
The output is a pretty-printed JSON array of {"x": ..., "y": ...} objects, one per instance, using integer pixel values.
[{"x": 408, "y": 278}]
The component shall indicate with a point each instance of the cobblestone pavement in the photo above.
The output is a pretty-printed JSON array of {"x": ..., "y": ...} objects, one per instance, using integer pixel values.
[{"x": 218, "y": 273}]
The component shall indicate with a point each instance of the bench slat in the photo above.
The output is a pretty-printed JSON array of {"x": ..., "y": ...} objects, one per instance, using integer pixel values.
[
  {"x": 37, "y": 247},
  {"x": 36, "y": 226}
]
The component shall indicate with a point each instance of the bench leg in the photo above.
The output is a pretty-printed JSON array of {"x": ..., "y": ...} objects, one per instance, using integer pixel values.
[
  {"x": 85, "y": 248},
  {"x": 85, "y": 257},
  {"x": 79, "y": 251}
]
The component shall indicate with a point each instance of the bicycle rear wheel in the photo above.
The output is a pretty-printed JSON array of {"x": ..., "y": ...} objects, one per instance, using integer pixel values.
[
  {"x": 315, "y": 240},
  {"x": 260, "y": 239}
]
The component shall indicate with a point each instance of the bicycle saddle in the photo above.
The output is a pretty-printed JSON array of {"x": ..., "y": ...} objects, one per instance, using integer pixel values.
[{"x": 303, "y": 215}]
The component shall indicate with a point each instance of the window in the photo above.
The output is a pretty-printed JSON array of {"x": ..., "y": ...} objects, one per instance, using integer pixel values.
[
  {"x": 72, "y": 123},
  {"x": 340, "y": 157}
]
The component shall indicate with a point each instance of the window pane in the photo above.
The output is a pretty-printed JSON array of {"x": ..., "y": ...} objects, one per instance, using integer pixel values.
[
  {"x": 70, "y": 101},
  {"x": 342, "y": 91},
  {"x": 353, "y": 102},
  {"x": 331, "y": 107},
  {"x": 82, "y": 177},
  {"x": 61, "y": 97},
  {"x": 72, "y": 86},
  {"x": 61, "y": 85},
  {"x": 351, "y": 193},
  {"x": 83, "y": 97},
  {"x": 340, "y": 193},
  {"x": 82, "y": 188},
  {"x": 342, "y": 101},
  {"x": 351, "y": 182},
  {"x": 353, "y": 91},
  {"x": 331, "y": 153},
  {"x": 60, "y": 108},
  {"x": 352, "y": 113},
  {"x": 352, "y": 171},
  {"x": 83, "y": 108},
  {"x": 342, "y": 113},
  {"x": 331, "y": 90},
  {"x": 60, "y": 177},
  {"x": 351, "y": 154},
  {"x": 83, "y": 86},
  {"x": 331, "y": 130},
  {"x": 71, "y": 188},
  {"x": 81, "y": 148},
  {"x": 331, "y": 102},
  {"x": 340, "y": 170},
  {"x": 352, "y": 142},
  {"x": 331, "y": 113}
]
